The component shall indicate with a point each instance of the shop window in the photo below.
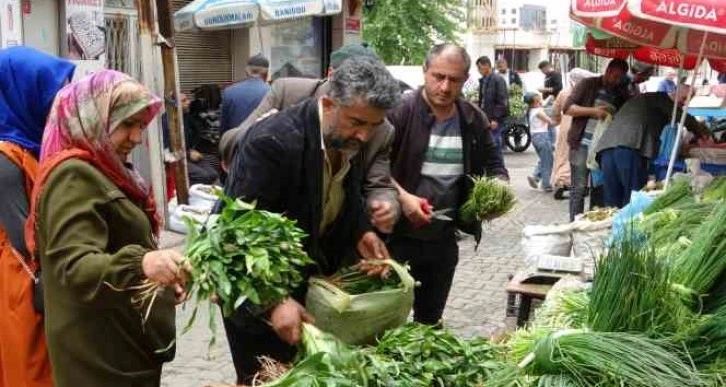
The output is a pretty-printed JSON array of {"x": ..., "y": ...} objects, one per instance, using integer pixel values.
[
  {"x": 117, "y": 47},
  {"x": 297, "y": 49}
]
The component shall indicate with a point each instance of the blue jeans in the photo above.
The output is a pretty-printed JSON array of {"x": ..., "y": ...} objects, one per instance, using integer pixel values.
[
  {"x": 497, "y": 134},
  {"x": 579, "y": 175},
  {"x": 624, "y": 170},
  {"x": 543, "y": 145}
]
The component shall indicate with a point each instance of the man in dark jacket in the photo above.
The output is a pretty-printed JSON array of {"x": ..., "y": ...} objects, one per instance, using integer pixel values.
[
  {"x": 582, "y": 106},
  {"x": 440, "y": 139},
  {"x": 510, "y": 76},
  {"x": 306, "y": 162},
  {"x": 493, "y": 99},
  {"x": 240, "y": 99},
  {"x": 553, "y": 80},
  {"x": 631, "y": 142},
  {"x": 381, "y": 195}
]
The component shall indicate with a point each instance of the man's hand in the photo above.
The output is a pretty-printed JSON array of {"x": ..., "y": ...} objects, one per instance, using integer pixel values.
[
  {"x": 195, "y": 156},
  {"x": 493, "y": 125},
  {"x": 600, "y": 113},
  {"x": 383, "y": 216},
  {"x": 286, "y": 320},
  {"x": 371, "y": 247},
  {"x": 413, "y": 210}
]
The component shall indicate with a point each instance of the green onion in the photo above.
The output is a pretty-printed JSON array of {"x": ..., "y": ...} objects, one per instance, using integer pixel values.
[
  {"x": 699, "y": 266},
  {"x": 489, "y": 198},
  {"x": 611, "y": 358},
  {"x": 678, "y": 193},
  {"x": 632, "y": 292}
]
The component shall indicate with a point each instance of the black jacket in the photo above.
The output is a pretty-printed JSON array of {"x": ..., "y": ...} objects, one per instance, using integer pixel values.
[
  {"x": 279, "y": 164},
  {"x": 494, "y": 96},
  {"x": 413, "y": 121},
  {"x": 514, "y": 78}
]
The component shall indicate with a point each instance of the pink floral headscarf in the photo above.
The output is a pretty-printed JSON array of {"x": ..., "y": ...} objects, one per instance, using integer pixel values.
[{"x": 83, "y": 116}]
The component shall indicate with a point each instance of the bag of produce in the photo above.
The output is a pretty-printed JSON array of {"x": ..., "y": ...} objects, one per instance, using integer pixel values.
[
  {"x": 590, "y": 233},
  {"x": 356, "y": 308},
  {"x": 542, "y": 240}
]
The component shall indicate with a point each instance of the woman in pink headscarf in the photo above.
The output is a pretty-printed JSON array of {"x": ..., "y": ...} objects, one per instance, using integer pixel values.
[{"x": 93, "y": 225}]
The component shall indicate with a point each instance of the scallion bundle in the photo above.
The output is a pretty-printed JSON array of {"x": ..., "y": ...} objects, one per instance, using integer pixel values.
[{"x": 489, "y": 198}]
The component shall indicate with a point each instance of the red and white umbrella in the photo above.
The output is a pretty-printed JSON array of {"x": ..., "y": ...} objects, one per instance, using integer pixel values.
[
  {"x": 684, "y": 25},
  {"x": 692, "y": 27},
  {"x": 622, "y": 49}
]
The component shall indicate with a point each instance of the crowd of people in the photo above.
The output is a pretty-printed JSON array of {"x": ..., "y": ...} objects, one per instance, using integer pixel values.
[
  {"x": 357, "y": 162},
  {"x": 80, "y": 233}
]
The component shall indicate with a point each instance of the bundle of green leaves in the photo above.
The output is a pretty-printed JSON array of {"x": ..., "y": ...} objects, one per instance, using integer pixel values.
[
  {"x": 353, "y": 281},
  {"x": 245, "y": 254},
  {"x": 517, "y": 107},
  {"x": 489, "y": 198},
  {"x": 430, "y": 356}
]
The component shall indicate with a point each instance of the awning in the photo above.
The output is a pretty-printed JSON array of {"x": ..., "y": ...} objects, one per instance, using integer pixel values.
[{"x": 225, "y": 14}]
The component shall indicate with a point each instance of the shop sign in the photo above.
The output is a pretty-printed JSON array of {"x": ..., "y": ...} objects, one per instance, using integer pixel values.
[{"x": 11, "y": 26}]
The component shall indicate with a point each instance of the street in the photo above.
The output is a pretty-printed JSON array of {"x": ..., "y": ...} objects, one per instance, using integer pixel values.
[{"x": 476, "y": 305}]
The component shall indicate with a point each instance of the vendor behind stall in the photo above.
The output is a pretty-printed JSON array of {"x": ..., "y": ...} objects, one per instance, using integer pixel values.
[{"x": 631, "y": 141}]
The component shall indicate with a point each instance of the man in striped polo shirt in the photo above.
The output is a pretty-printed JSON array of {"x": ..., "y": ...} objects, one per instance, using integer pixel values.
[{"x": 440, "y": 139}]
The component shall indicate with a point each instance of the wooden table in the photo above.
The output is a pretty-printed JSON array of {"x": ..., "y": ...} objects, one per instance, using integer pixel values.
[{"x": 529, "y": 286}]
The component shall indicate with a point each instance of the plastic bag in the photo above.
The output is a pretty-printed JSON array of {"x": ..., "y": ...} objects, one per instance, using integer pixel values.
[
  {"x": 359, "y": 319},
  {"x": 541, "y": 240},
  {"x": 202, "y": 195},
  {"x": 589, "y": 241},
  {"x": 602, "y": 125},
  {"x": 639, "y": 201}
]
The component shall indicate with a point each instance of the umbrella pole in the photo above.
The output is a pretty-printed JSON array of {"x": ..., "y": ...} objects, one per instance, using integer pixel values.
[
  {"x": 674, "y": 153},
  {"x": 259, "y": 36},
  {"x": 678, "y": 90}
]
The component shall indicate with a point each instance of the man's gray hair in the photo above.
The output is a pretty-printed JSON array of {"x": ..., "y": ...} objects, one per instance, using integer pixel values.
[
  {"x": 367, "y": 80},
  {"x": 439, "y": 49}
]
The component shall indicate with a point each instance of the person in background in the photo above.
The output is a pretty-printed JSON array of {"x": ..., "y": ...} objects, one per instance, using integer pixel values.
[
  {"x": 668, "y": 84},
  {"x": 561, "y": 166},
  {"x": 307, "y": 162},
  {"x": 440, "y": 140},
  {"x": 202, "y": 136},
  {"x": 493, "y": 100},
  {"x": 539, "y": 124},
  {"x": 93, "y": 224},
  {"x": 29, "y": 82},
  {"x": 612, "y": 88},
  {"x": 631, "y": 142},
  {"x": 639, "y": 73},
  {"x": 553, "y": 80},
  {"x": 380, "y": 194},
  {"x": 510, "y": 77},
  {"x": 240, "y": 99}
]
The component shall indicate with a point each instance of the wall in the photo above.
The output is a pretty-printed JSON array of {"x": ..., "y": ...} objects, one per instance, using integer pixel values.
[{"x": 40, "y": 26}]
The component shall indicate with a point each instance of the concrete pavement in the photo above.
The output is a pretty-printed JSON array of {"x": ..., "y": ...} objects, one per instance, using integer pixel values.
[{"x": 476, "y": 305}]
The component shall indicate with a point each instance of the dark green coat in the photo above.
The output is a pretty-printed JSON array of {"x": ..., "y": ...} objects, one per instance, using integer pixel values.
[{"x": 92, "y": 237}]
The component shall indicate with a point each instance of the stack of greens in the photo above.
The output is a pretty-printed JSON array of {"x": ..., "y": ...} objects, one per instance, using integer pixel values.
[
  {"x": 412, "y": 356},
  {"x": 352, "y": 281},
  {"x": 490, "y": 198},
  {"x": 245, "y": 254}
]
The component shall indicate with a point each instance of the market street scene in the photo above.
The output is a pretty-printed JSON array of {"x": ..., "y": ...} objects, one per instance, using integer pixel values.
[{"x": 376, "y": 193}]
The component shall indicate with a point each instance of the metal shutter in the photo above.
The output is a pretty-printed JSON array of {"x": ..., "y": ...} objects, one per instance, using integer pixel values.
[{"x": 203, "y": 57}]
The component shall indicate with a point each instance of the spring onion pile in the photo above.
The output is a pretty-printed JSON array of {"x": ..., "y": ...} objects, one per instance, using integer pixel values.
[
  {"x": 245, "y": 254},
  {"x": 716, "y": 190},
  {"x": 678, "y": 193},
  {"x": 488, "y": 199}
]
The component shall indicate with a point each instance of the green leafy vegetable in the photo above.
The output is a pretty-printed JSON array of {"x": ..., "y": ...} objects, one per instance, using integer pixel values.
[
  {"x": 352, "y": 281},
  {"x": 678, "y": 193},
  {"x": 244, "y": 254},
  {"x": 489, "y": 198}
]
